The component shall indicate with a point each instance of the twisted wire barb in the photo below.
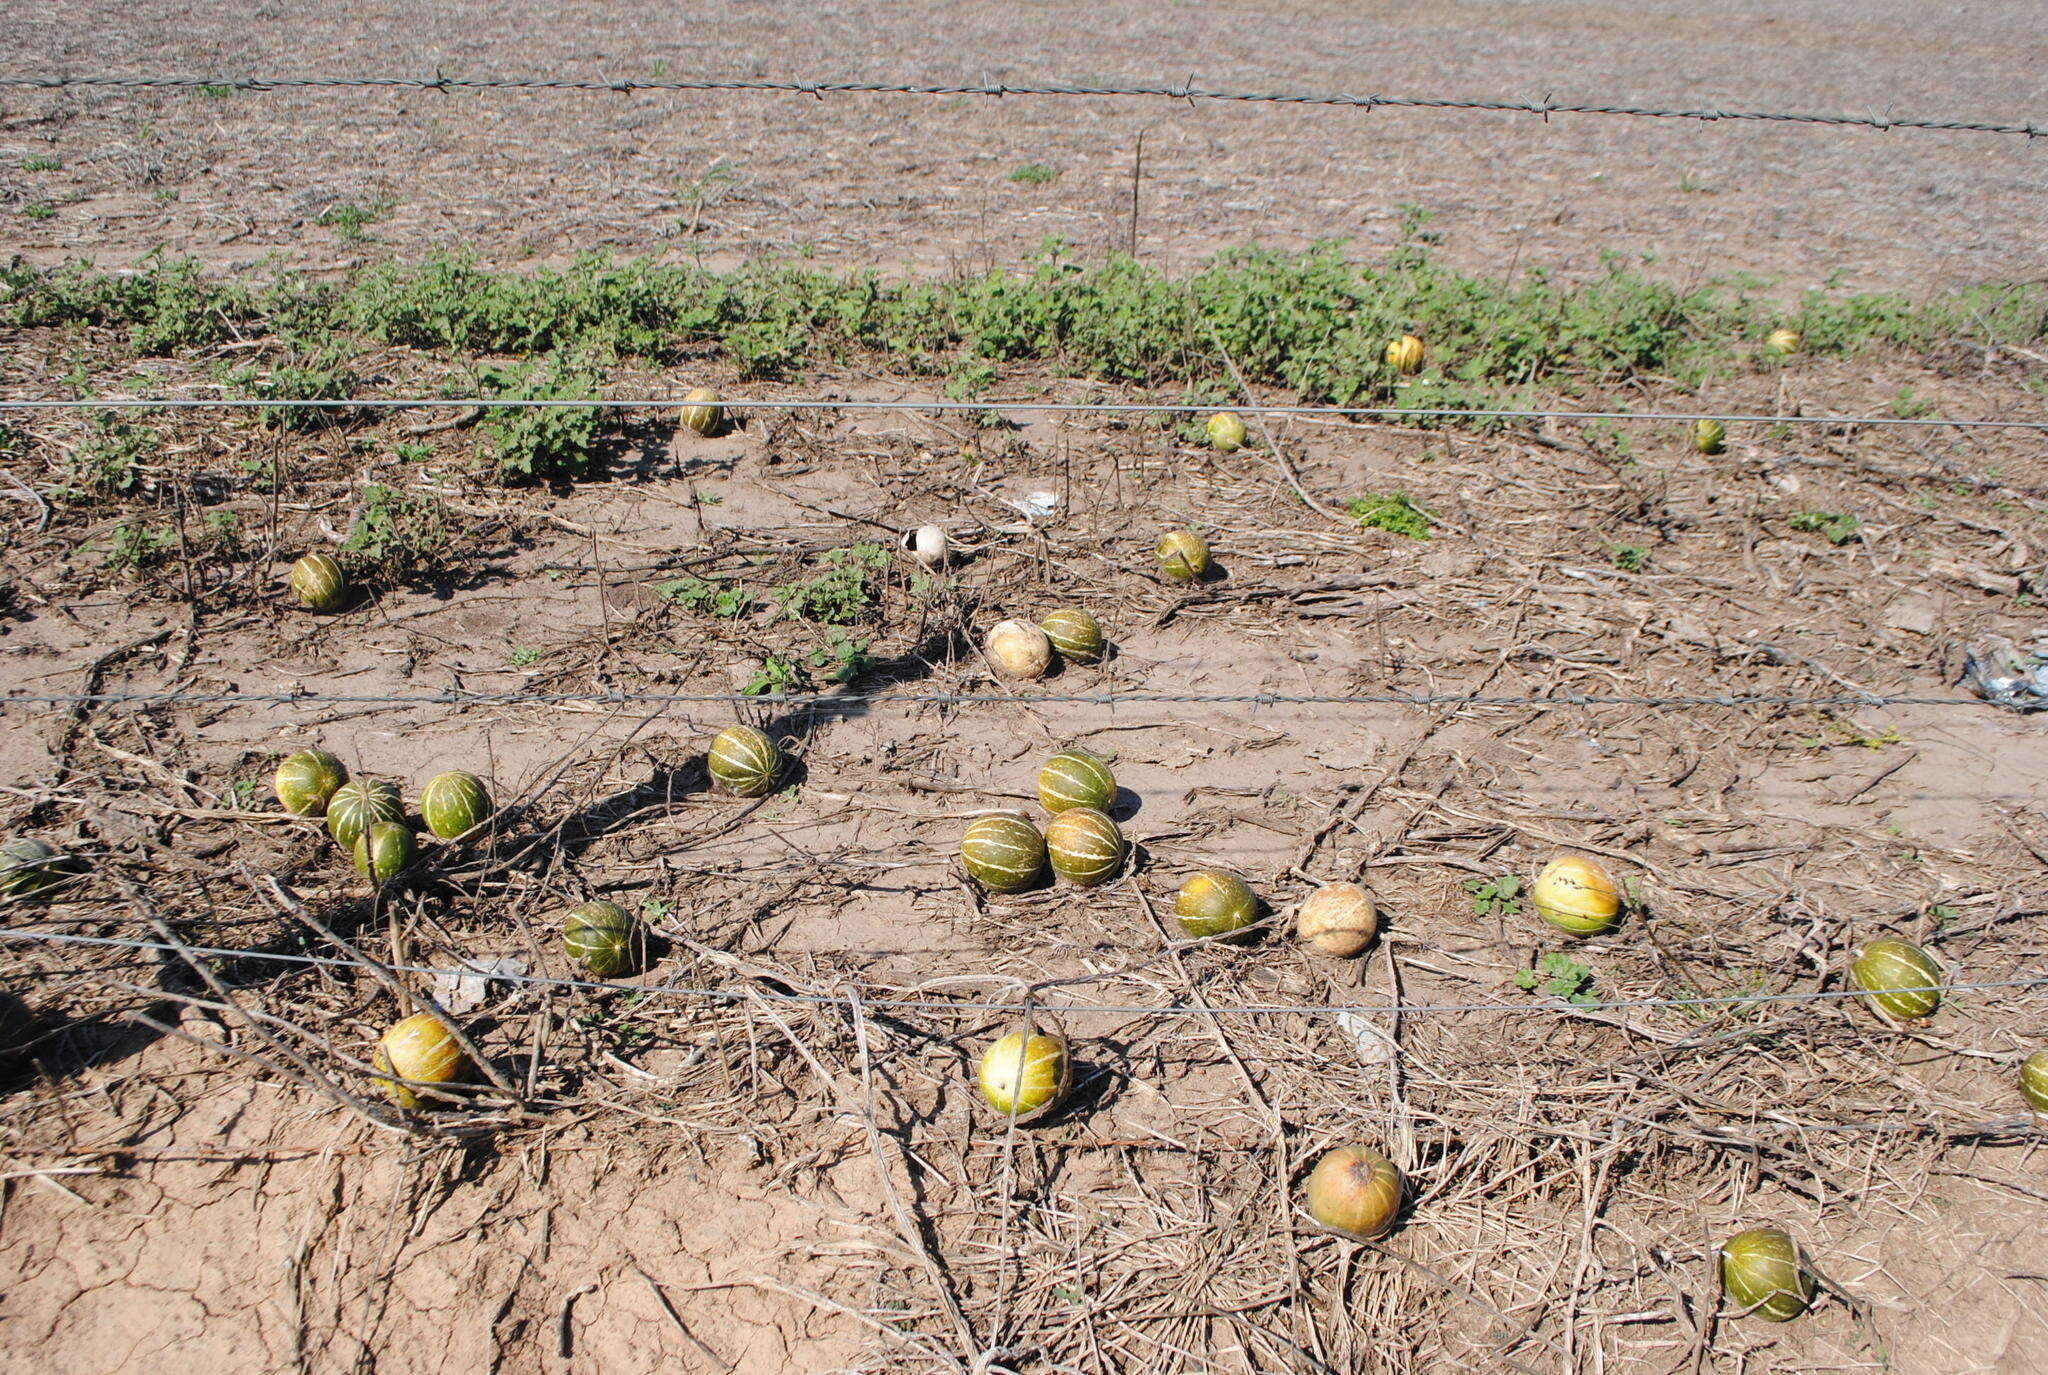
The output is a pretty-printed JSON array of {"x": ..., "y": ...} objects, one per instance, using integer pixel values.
[
  {"x": 1038, "y": 1000},
  {"x": 1186, "y": 91},
  {"x": 249, "y": 403}
]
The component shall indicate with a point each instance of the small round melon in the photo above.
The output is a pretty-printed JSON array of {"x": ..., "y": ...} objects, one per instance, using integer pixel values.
[
  {"x": 1338, "y": 919},
  {"x": 360, "y": 803},
  {"x": 1075, "y": 778},
  {"x": 1901, "y": 978},
  {"x": 1762, "y": 1274},
  {"x": 420, "y": 1049},
  {"x": 307, "y": 780},
  {"x": 384, "y": 850},
  {"x": 1026, "y": 1077},
  {"x": 2034, "y": 1081},
  {"x": 319, "y": 584},
  {"x": 702, "y": 412},
  {"x": 1355, "y": 1190},
  {"x": 1004, "y": 853},
  {"x": 1709, "y": 436},
  {"x": 1405, "y": 355},
  {"x": 1075, "y": 634},
  {"x": 28, "y": 866},
  {"x": 599, "y": 935},
  {"x": 744, "y": 760},
  {"x": 1226, "y": 432},
  {"x": 1019, "y": 649},
  {"x": 1183, "y": 555},
  {"x": 454, "y": 803},
  {"x": 1085, "y": 846},
  {"x": 1214, "y": 902},
  {"x": 1577, "y": 896}
]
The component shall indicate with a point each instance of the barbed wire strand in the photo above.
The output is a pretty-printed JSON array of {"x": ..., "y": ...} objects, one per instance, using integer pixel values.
[
  {"x": 969, "y": 407},
  {"x": 1186, "y": 91},
  {"x": 1037, "y": 998},
  {"x": 1109, "y": 699}
]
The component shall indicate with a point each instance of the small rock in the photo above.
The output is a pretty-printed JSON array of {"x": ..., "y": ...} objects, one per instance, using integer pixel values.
[{"x": 1912, "y": 615}]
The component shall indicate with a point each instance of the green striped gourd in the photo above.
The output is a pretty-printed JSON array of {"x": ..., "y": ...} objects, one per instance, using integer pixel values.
[
  {"x": 1183, "y": 555},
  {"x": 28, "y": 866},
  {"x": 1355, "y": 1190},
  {"x": 1709, "y": 436},
  {"x": 384, "y": 850},
  {"x": 1075, "y": 634},
  {"x": 1214, "y": 902},
  {"x": 318, "y": 583},
  {"x": 1783, "y": 342},
  {"x": 1075, "y": 778},
  {"x": 453, "y": 803},
  {"x": 1900, "y": 977},
  {"x": 1026, "y": 1077},
  {"x": 1762, "y": 1274},
  {"x": 701, "y": 411},
  {"x": 2034, "y": 1081},
  {"x": 1005, "y": 853},
  {"x": 744, "y": 760},
  {"x": 599, "y": 936},
  {"x": 359, "y": 803},
  {"x": 17, "y": 1029},
  {"x": 1085, "y": 846},
  {"x": 307, "y": 780},
  {"x": 419, "y": 1048},
  {"x": 1226, "y": 432}
]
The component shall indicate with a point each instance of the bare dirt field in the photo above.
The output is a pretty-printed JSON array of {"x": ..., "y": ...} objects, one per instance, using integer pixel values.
[{"x": 761, "y": 1148}]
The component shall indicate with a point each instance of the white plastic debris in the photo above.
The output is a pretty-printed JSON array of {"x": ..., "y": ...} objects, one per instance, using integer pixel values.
[
  {"x": 469, "y": 988},
  {"x": 2008, "y": 675}
]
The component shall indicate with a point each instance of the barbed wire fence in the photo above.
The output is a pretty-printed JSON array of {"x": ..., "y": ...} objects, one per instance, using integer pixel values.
[
  {"x": 826, "y": 404},
  {"x": 1429, "y": 700},
  {"x": 1185, "y": 92}
]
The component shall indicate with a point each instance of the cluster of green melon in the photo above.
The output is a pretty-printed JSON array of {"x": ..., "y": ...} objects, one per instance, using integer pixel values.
[{"x": 366, "y": 816}]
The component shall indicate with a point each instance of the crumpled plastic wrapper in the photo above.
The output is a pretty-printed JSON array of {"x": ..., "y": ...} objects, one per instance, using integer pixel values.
[
  {"x": 2007, "y": 674},
  {"x": 469, "y": 988}
]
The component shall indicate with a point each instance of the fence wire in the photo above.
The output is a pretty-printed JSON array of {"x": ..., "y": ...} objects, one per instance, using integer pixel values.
[
  {"x": 1037, "y": 999},
  {"x": 248, "y": 403},
  {"x": 1186, "y": 91},
  {"x": 1452, "y": 700}
]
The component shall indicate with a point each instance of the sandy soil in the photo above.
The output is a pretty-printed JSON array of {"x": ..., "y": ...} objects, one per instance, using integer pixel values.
[{"x": 884, "y": 181}]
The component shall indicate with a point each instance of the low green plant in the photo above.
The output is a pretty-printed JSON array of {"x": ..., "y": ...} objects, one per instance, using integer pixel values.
[
  {"x": 1395, "y": 514},
  {"x": 348, "y": 219},
  {"x": 41, "y": 162},
  {"x": 1835, "y": 527},
  {"x": 398, "y": 534},
  {"x": 109, "y": 463},
  {"x": 135, "y": 547},
  {"x": 841, "y": 658},
  {"x": 1559, "y": 976},
  {"x": 1034, "y": 174},
  {"x": 523, "y": 656},
  {"x": 776, "y": 675},
  {"x": 39, "y": 210},
  {"x": 1500, "y": 897},
  {"x": 844, "y": 594},
  {"x": 1629, "y": 558},
  {"x": 726, "y": 601},
  {"x": 527, "y": 442}
]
